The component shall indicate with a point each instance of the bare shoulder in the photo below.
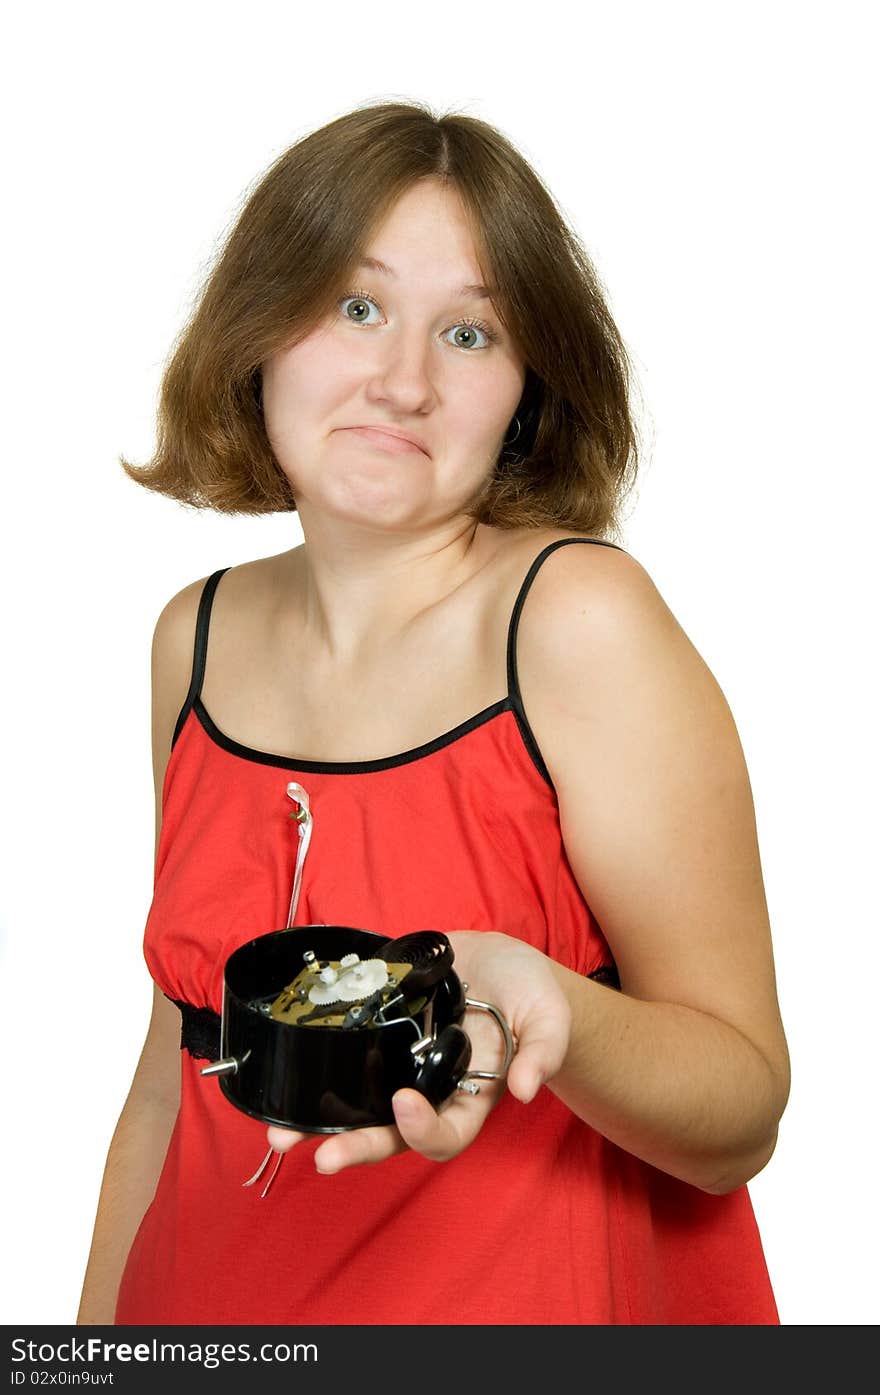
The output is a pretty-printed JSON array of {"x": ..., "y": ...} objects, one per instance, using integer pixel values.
[
  {"x": 512, "y": 552},
  {"x": 578, "y": 589},
  {"x": 246, "y": 590},
  {"x": 176, "y": 615},
  {"x": 171, "y": 663},
  {"x": 172, "y": 649},
  {"x": 525, "y": 543},
  {"x": 600, "y": 652},
  {"x": 174, "y": 634}
]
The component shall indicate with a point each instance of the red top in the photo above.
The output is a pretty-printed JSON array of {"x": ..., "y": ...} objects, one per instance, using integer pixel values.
[{"x": 542, "y": 1219}]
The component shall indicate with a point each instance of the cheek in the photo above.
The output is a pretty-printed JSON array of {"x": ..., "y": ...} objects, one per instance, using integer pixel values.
[
  {"x": 298, "y": 381},
  {"x": 482, "y": 404}
]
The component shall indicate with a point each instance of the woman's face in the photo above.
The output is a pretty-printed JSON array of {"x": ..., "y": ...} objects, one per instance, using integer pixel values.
[{"x": 408, "y": 350}]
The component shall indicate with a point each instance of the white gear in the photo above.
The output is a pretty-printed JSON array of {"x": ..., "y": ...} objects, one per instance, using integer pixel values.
[
  {"x": 322, "y": 993},
  {"x": 348, "y": 959},
  {"x": 362, "y": 980}
]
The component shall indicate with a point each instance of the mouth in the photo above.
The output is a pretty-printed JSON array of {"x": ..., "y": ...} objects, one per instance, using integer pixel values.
[{"x": 386, "y": 440}]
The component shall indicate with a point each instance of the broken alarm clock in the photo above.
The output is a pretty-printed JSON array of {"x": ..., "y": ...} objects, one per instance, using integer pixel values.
[{"x": 321, "y": 1024}]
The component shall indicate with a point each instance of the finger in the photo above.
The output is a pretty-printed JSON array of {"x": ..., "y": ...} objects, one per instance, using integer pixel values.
[
  {"x": 282, "y": 1140},
  {"x": 442, "y": 1136},
  {"x": 539, "y": 1055},
  {"x": 525, "y": 1078},
  {"x": 358, "y": 1147}
]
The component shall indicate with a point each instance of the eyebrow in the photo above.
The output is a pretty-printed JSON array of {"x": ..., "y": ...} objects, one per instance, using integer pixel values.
[{"x": 473, "y": 292}]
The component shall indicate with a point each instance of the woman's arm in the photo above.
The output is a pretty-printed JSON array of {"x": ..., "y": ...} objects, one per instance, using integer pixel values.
[
  {"x": 682, "y": 1089},
  {"x": 687, "y": 1066},
  {"x": 134, "y": 1161},
  {"x": 140, "y": 1141}
]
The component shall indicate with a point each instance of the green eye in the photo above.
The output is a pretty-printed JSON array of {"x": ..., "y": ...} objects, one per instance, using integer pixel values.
[
  {"x": 360, "y": 302},
  {"x": 469, "y": 326}
]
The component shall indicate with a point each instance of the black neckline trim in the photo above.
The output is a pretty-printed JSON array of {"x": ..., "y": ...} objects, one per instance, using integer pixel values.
[
  {"x": 511, "y": 703},
  {"x": 353, "y": 767}
]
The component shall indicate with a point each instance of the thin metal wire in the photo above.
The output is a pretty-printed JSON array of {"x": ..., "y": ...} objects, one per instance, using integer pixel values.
[
  {"x": 259, "y": 1172},
  {"x": 304, "y": 829},
  {"x": 274, "y": 1175},
  {"x": 261, "y": 1169}
]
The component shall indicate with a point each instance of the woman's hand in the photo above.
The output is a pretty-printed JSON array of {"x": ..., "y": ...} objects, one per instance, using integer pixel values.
[{"x": 519, "y": 981}]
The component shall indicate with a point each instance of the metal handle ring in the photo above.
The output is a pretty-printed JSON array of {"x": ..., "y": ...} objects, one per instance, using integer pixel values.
[{"x": 509, "y": 1043}]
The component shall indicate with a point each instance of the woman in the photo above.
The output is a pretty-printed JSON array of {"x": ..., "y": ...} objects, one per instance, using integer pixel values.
[{"x": 404, "y": 342}]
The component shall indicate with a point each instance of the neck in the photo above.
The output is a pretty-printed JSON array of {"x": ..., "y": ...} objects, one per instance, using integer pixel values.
[{"x": 362, "y": 589}]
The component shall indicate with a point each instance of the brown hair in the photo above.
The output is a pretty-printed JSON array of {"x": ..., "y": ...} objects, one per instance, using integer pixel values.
[{"x": 301, "y": 231}]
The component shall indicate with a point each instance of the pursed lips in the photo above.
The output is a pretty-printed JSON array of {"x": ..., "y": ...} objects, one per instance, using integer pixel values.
[{"x": 387, "y": 440}]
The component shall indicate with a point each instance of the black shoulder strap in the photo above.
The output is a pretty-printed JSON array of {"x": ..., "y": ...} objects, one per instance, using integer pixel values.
[
  {"x": 513, "y": 691},
  {"x": 200, "y": 649}
]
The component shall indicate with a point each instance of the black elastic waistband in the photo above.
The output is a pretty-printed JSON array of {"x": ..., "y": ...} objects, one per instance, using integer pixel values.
[
  {"x": 606, "y": 974},
  {"x": 199, "y": 1031},
  {"x": 200, "y": 1027}
]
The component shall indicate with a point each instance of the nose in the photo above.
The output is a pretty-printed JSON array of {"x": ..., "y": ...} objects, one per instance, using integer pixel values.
[{"x": 402, "y": 375}]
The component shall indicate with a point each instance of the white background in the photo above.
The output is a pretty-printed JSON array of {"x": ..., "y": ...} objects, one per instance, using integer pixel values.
[{"x": 716, "y": 161}]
